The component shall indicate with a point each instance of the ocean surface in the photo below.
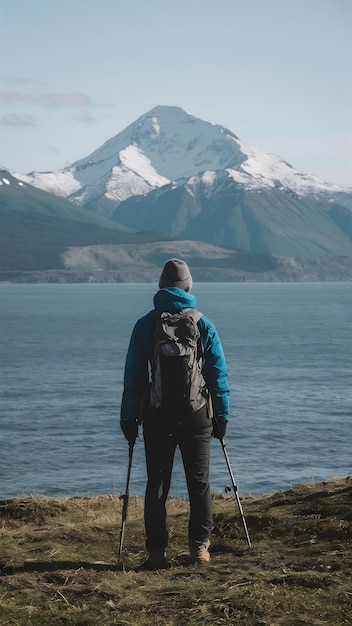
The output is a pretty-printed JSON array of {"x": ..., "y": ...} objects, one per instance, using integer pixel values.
[{"x": 62, "y": 349}]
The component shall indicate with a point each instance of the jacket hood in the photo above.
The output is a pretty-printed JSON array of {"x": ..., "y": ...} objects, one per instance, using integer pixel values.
[{"x": 173, "y": 299}]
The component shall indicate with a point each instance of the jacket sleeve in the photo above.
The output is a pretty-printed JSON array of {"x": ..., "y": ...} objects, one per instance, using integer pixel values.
[
  {"x": 214, "y": 369},
  {"x": 136, "y": 373}
]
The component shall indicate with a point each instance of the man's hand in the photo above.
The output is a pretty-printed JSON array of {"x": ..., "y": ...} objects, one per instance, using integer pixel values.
[
  {"x": 219, "y": 429},
  {"x": 130, "y": 430}
]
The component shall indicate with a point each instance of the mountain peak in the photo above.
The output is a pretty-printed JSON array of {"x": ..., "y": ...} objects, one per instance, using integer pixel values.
[
  {"x": 165, "y": 110},
  {"x": 166, "y": 145},
  {"x": 175, "y": 174}
]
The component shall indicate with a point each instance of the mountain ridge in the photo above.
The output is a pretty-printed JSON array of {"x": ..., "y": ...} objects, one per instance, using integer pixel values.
[
  {"x": 184, "y": 178},
  {"x": 255, "y": 221},
  {"x": 170, "y": 131}
]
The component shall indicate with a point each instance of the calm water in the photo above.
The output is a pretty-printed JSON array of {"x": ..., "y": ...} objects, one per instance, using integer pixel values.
[{"x": 289, "y": 354}]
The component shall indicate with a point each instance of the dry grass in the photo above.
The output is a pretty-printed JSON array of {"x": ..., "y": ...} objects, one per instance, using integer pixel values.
[{"x": 59, "y": 565}]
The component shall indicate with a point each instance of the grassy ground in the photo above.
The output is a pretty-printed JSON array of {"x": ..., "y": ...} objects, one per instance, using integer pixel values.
[{"x": 59, "y": 562}]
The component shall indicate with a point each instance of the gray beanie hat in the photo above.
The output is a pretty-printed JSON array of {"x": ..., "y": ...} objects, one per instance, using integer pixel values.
[{"x": 176, "y": 273}]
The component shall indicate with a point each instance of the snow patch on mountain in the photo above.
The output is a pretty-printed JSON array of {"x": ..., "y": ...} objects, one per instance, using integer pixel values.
[
  {"x": 61, "y": 183},
  {"x": 269, "y": 170},
  {"x": 156, "y": 125},
  {"x": 135, "y": 160},
  {"x": 125, "y": 183},
  {"x": 7, "y": 179},
  {"x": 243, "y": 179},
  {"x": 205, "y": 181},
  {"x": 208, "y": 178}
]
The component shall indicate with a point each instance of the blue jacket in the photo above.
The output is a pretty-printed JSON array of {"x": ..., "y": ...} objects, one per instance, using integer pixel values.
[{"x": 136, "y": 376}]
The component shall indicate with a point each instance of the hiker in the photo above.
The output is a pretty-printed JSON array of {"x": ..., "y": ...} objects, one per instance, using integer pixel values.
[{"x": 175, "y": 421}]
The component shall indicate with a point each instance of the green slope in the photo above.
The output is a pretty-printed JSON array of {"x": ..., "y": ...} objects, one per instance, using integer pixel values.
[
  {"x": 19, "y": 197},
  {"x": 260, "y": 221},
  {"x": 36, "y": 228}
]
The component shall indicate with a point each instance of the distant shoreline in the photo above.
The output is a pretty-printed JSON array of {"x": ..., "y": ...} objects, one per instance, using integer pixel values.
[{"x": 340, "y": 272}]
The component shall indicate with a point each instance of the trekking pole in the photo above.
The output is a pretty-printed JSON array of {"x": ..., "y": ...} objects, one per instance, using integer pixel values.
[
  {"x": 125, "y": 498},
  {"x": 235, "y": 488}
]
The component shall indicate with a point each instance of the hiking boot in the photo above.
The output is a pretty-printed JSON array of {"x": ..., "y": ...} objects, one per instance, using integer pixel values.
[
  {"x": 156, "y": 560},
  {"x": 199, "y": 552}
]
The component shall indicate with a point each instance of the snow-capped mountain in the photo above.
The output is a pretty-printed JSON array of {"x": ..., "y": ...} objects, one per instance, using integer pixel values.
[
  {"x": 183, "y": 177},
  {"x": 166, "y": 145}
]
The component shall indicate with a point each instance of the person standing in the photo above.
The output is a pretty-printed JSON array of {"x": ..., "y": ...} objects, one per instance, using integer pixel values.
[{"x": 166, "y": 428}]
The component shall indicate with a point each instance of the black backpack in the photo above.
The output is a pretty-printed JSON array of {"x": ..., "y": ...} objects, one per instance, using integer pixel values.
[{"x": 176, "y": 366}]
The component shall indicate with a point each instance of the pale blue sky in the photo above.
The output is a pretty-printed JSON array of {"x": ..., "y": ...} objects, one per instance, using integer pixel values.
[{"x": 278, "y": 73}]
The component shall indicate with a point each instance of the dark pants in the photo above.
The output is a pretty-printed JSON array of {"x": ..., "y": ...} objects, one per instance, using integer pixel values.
[{"x": 162, "y": 434}]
